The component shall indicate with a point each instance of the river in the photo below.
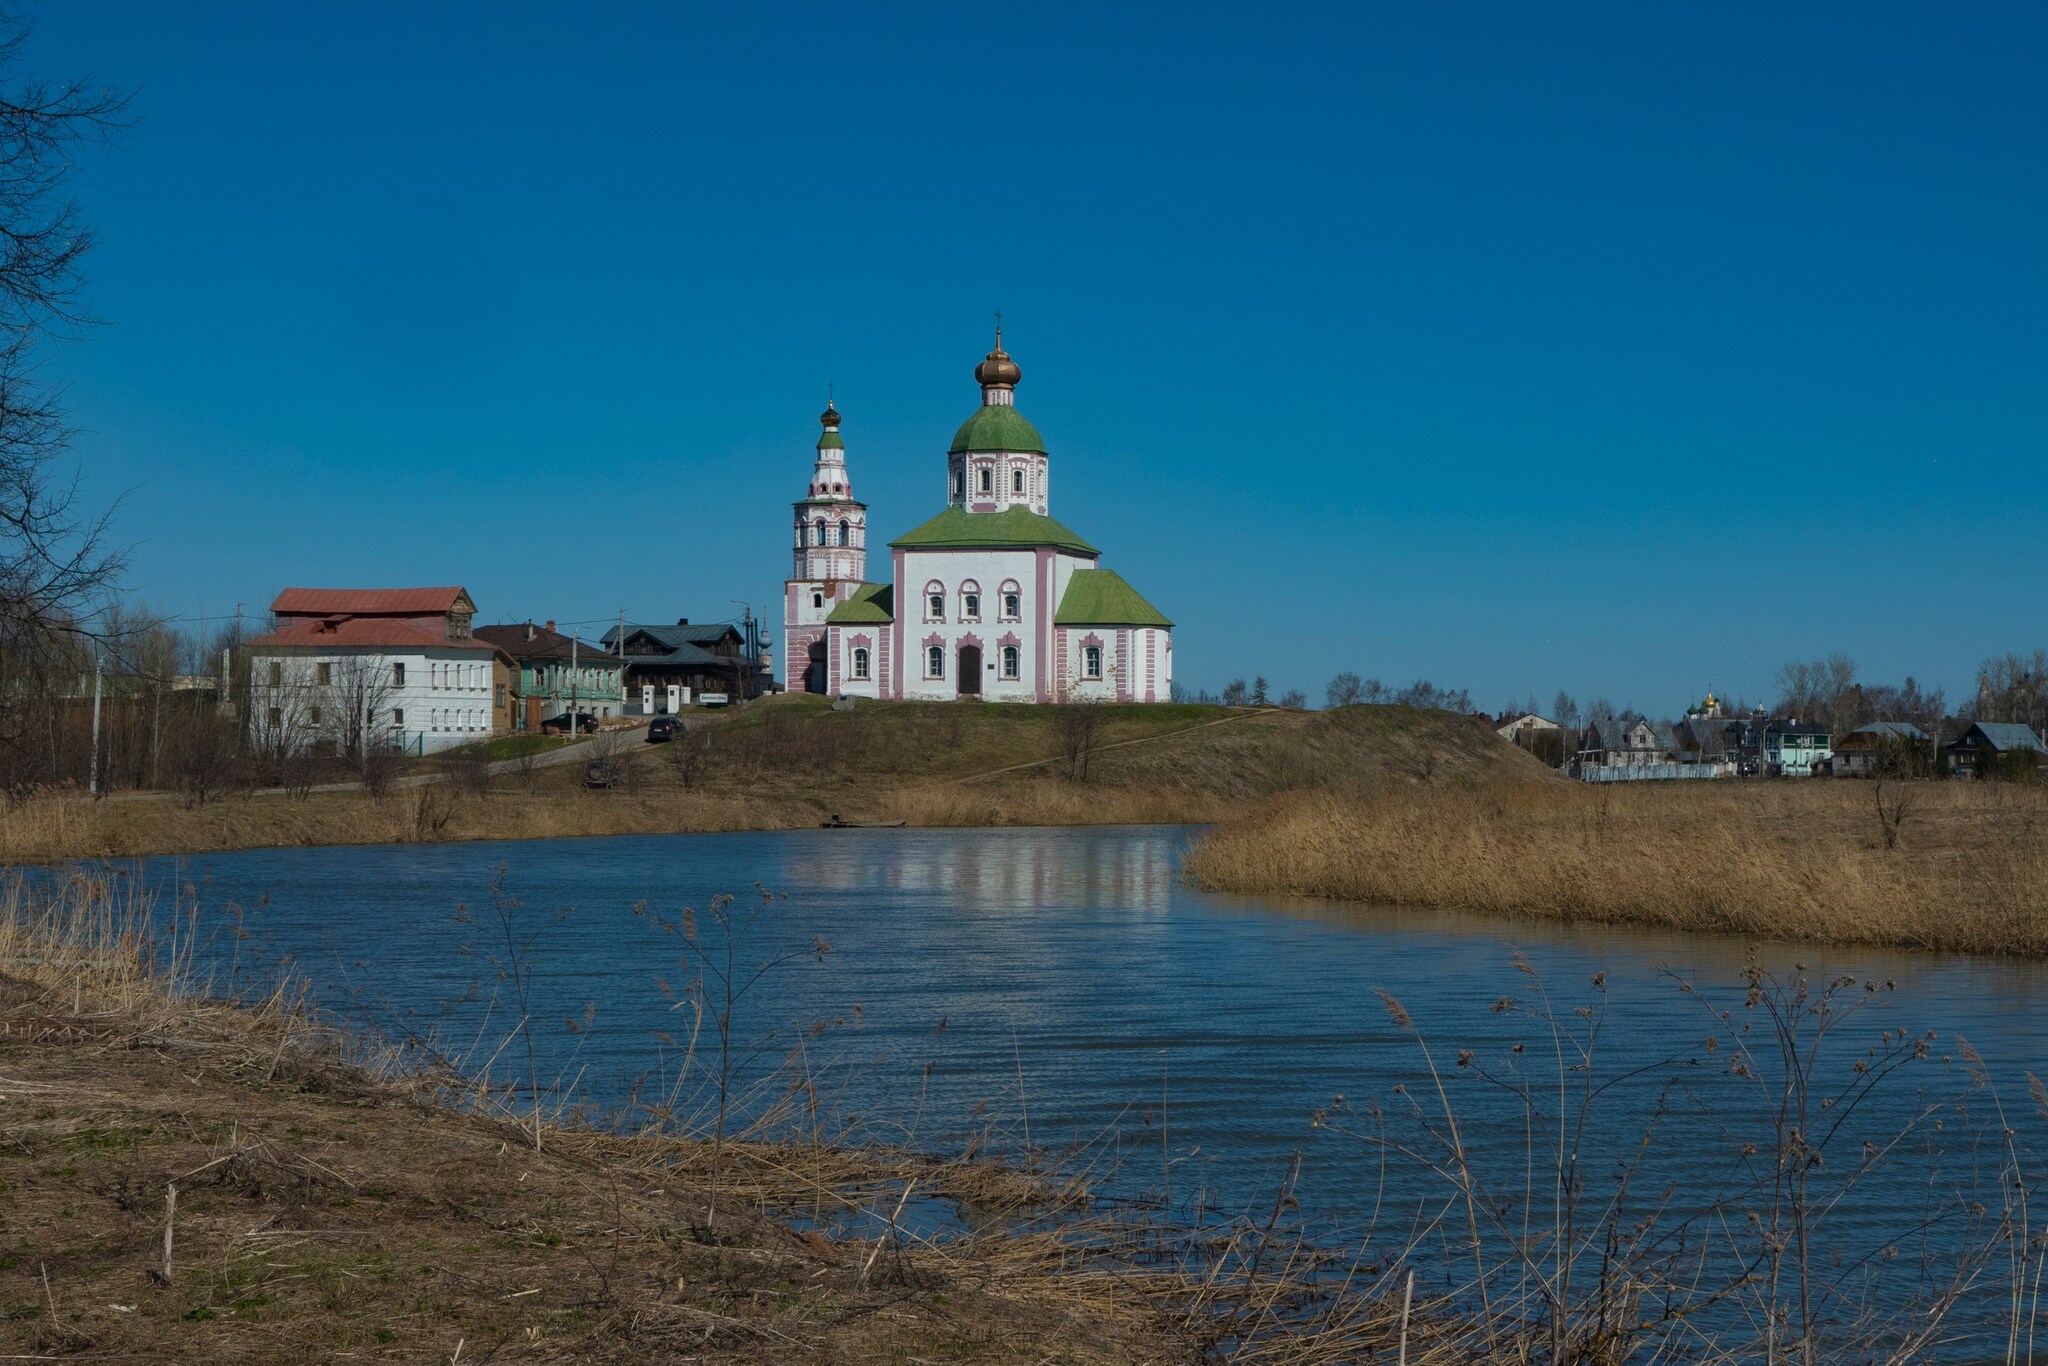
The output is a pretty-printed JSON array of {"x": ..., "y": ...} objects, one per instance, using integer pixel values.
[{"x": 1066, "y": 984}]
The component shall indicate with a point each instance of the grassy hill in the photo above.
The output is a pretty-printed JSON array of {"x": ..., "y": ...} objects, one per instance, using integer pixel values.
[{"x": 795, "y": 761}]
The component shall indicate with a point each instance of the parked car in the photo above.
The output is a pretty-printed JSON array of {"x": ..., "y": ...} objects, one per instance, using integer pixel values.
[
  {"x": 600, "y": 773},
  {"x": 559, "y": 725},
  {"x": 663, "y": 729}
]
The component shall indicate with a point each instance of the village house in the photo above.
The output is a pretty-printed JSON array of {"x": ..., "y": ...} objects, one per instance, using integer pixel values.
[
  {"x": 1792, "y": 749},
  {"x": 670, "y": 667},
  {"x": 989, "y": 599},
  {"x": 1863, "y": 752},
  {"x": 359, "y": 667},
  {"x": 558, "y": 673},
  {"x": 1520, "y": 727},
  {"x": 1996, "y": 749}
]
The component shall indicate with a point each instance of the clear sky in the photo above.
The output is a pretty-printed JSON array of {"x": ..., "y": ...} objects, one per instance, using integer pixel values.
[{"x": 1632, "y": 349}]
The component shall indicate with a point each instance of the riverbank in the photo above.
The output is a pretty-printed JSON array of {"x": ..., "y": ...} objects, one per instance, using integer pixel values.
[
  {"x": 794, "y": 761},
  {"x": 204, "y": 1179},
  {"x": 1964, "y": 868}
]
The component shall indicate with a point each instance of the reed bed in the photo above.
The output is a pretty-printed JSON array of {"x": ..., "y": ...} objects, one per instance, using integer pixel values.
[{"x": 1965, "y": 868}]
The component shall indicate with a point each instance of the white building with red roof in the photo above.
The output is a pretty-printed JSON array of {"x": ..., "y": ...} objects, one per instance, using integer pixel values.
[{"x": 359, "y": 666}]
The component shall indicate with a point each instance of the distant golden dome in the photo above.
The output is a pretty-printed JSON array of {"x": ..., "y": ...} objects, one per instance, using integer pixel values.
[{"x": 830, "y": 417}]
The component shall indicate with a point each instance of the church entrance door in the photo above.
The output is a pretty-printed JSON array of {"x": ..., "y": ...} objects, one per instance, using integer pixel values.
[{"x": 970, "y": 671}]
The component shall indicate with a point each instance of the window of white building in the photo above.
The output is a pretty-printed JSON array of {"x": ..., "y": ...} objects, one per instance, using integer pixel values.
[
  {"x": 934, "y": 602},
  {"x": 935, "y": 662},
  {"x": 398, "y": 675},
  {"x": 1010, "y": 605},
  {"x": 1009, "y": 661},
  {"x": 1091, "y": 661},
  {"x": 398, "y": 713},
  {"x": 985, "y": 477},
  {"x": 817, "y": 599},
  {"x": 860, "y": 661},
  {"x": 970, "y": 606},
  {"x": 1016, "y": 481},
  {"x": 845, "y": 532}
]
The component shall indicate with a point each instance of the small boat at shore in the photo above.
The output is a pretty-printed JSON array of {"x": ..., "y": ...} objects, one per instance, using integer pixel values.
[{"x": 838, "y": 823}]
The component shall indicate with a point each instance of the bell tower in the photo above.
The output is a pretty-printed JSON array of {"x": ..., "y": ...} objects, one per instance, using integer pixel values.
[{"x": 830, "y": 558}]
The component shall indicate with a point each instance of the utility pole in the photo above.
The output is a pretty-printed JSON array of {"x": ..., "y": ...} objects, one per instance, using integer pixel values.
[
  {"x": 573, "y": 643},
  {"x": 619, "y": 653},
  {"x": 93, "y": 777}
]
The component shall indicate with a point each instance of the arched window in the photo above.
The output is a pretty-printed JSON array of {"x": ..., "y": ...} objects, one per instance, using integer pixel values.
[
  {"x": 970, "y": 601},
  {"x": 1012, "y": 600},
  {"x": 934, "y": 601},
  {"x": 860, "y": 661},
  {"x": 820, "y": 530},
  {"x": 935, "y": 662},
  {"x": 985, "y": 479},
  {"x": 1091, "y": 661},
  {"x": 1010, "y": 661},
  {"x": 845, "y": 532},
  {"x": 817, "y": 599},
  {"x": 1016, "y": 481}
]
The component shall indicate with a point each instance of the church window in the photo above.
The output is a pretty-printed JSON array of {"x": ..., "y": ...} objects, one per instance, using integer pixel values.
[
  {"x": 860, "y": 661},
  {"x": 984, "y": 479},
  {"x": 817, "y": 599},
  {"x": 935, "y": 606},
  {"x": 1016, "y": 481},
  {"x": 1009, "y": 606},
  {"x": 820, "y": 529},
  {"x": 1091, "y": 661},
  {"x": 935, "y": 662},
  {"x": 1009, "y": 661},
  {"x": 970, "y": 604},
  {"x": 845, "y": 532}
]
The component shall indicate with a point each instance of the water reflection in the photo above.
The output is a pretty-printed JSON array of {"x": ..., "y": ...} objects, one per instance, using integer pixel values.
[{"x": 1068, "y": 980}]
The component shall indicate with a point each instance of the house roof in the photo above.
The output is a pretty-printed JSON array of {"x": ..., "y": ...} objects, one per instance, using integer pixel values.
[
  {"x": 872, "y": 604},
  {"x": 681, "y": 633},
  {"x": 363, "y": 633},
  {"x": 1903, "y": 730},
  {"x": 367, "y": 602},
  {"x": 2004, "y": 736},
  {"x": 1100, "y": 597},
  {"x": 1015, "y": 527},
  {"x": 524, "y": 641},
  {"x": 997, "y": 427}
]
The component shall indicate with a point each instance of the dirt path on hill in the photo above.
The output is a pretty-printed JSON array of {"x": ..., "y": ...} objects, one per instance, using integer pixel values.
[{"x": 1120, "y": 744}]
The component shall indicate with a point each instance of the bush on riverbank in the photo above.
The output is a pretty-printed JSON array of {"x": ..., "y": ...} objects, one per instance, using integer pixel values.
[{"x": 1966, "y": 870}]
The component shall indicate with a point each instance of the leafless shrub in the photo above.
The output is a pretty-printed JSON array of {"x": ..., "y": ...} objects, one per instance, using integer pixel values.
[
  {"x": 1894, "y": 800},
  {"x": 1076, "y": 729},
  {"x": 381, "y": 763},
  {"x": 689, "y": 756},
  {"x": 200, "y": 760},
  {"x": 470, "y": 774},
  {"x": 526, "y": 765},
  {"x": 429, "y": 806}
]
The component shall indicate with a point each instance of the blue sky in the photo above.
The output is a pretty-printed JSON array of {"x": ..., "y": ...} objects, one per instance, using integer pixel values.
[{"x": 1627, "y": 349}]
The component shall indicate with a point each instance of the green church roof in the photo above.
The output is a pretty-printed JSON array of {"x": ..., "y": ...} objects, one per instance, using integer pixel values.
[
  {"x": 996, "y": 427},
  {"x": 872, "y": 604},
  {"x": 1100, "y": 597},
  {"x": 830, "y": 442},
  {"x": 1015, "y": 527}
]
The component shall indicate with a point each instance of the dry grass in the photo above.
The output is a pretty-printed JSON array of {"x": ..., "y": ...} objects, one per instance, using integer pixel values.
[
  {"x": 1793, "y": 860},
  {"x": 794, "y": 762},
  {"x": 201, "y": 1179}
]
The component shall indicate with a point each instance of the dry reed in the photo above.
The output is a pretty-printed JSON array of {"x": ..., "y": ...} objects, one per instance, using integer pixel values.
[{"x": 1798, "y": 861}]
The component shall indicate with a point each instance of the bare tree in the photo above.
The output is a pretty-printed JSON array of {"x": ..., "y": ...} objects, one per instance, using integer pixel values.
[
  {"x": 1235, "y": 693},
  {"x": 689, "y": 754},
  {"x": 56, "y": 559},
  {"x": 1295, "y": 698},
  {"x": 1344, "y": 691}
]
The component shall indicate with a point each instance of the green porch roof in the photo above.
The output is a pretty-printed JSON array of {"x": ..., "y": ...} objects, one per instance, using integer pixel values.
[
  {"x": 1100, "y": 597},
  {"x": 996, "y": 427},
  {"x": 1015, "y": 528},
  {"x": 872, "y": 604}
]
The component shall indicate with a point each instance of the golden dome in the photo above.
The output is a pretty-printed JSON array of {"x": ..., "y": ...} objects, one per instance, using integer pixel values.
[
  {"x": 830, "y": 417},
  {"x": 997, "y": 367}
]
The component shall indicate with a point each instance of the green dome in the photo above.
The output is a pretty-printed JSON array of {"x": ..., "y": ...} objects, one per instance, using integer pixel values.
[{"x": 997, "y": 427}]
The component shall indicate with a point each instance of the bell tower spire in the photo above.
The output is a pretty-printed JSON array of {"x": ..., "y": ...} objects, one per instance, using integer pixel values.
[{"x": 830, "y": 555}]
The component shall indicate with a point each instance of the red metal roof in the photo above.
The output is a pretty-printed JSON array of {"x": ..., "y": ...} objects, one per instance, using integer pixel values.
[
  {"x": 366, "y": 602},
  {"x": 374, "y": 632}
]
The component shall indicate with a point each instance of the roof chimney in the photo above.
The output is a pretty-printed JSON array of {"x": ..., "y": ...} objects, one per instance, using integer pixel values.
[
  {"x": 682, "y": 621},
  {"x": 551, "y": 626}
]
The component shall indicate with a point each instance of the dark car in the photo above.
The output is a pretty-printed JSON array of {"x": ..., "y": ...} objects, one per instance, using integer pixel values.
[
  {"x": 559, "y": 725},
  {"x": 663, "y": 729}
]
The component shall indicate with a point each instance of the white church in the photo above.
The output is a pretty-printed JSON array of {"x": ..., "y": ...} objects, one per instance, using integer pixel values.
[{"x": 992, "y": 598}]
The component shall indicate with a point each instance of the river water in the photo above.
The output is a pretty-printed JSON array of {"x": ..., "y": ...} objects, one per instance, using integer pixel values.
[{"x": 1067, "y": 984}]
